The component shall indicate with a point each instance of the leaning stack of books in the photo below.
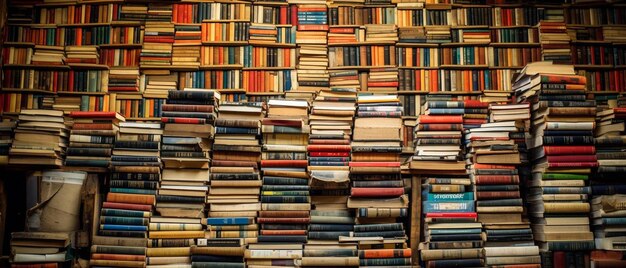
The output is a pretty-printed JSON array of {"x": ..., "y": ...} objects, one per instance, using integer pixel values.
[
  {"x": 82, "y": 54},
  {"x": 329, "y": 148},
  {"x": 233, "y": 200},
  {"x": 285, "y": 200},
  {"x": 92, "y": 137},
  {"x": 40, "y": 249},
  {"x": 157, "y": 44},
  {"x": 608, "y": 218},
  {"x": 6, "y": 138},
  {"x": 311, "y": 36},
  {"x": 189, "y": 116},
  {"x": 40, "y": 138},
  {"x": 377, "y": 191},
  {"x": 475, "y": 113},
  {"x": 452, "y": 235},
  {"x": 495, "y": 159},
  {"x": 563, "y": 154}
]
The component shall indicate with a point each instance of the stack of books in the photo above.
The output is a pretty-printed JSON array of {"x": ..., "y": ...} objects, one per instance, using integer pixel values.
[
  {"x": 383, "y": 79},
  {"x": 48, "y": 55},
  {"x": 344, "y": 79},
  {"x": 157, "y": 44},
  {"x": 475, "y": 113},
  {"x": 555, "y": 43},
  {"x": 218, "y": 252},
  {"x": 608, "y": 219},
  {"x": 492, "y": 96},
  {"x": 331, "y": 121},
  {"x": 412, "y": 35},
  {"x": 233, "y": 200},
  {"x": 186, "y": 48},
  {"x": 448, "y": 195},
  {"x": 285, "y": 200},
  {"x": 613, "y": 34},
  {"x": 40, "y": 249},
  {"x": 311, "y": 36},
  {"x": 6, "y": 138},
  {"x": 123, "y": 80},
  {"x": 384, "y": 33},
  {"x": 158, "y": 86},
  {"x": 40, "y": 138},
  {"x": 92, "y": 138},
  {"x": 494, "y": 160},
  {"x": 346, "y": 35},
  {"x": 438, "y": 34},
  {"x": 377, "y": 191},
  {"x": 81, "y": 54},
  {"x": 188, "y": 118},
  {"x": 563, "y": 154},
  {"x": 262, "y": 33}
]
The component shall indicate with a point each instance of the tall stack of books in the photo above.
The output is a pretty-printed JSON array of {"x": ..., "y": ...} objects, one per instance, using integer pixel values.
[
  {"x": 609, "y": 218},
  {"x": 186, "y": 47},
  {"x": 377, "y": 191},
  {"x": 563, "y": 154},
  {"x": 494, "y": 160},
  {"x": 6, "y": 138},
  {"x": 92, "y": 138},
  {"x": 40, "y": 249},
  {"x": 157, "y": 44},
  {"x": 331, "y": 121},
  {"x": 48, "y": 55},
  {"x": 82, "y": 54},
  {"x": 218, "y": 252},
  {"x": 123, "y": 80},
  {"x": 285, "y": 200},
  {"x": 311, "y": 36},
  {"x": 555, "y": 43},
  {"x": 188, "y": 118},
  {"x": 40, "y": 138},
  {"x": 233, "y": 200},
  {"x": 448, "y": 194}
]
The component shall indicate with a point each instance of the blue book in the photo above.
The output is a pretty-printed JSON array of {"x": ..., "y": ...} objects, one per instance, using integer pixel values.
[
  {"x": 455, "y": 231},
  {"x": 228, "y": 221},
  {"x": 446, "y": 110},
  {"x": 614, "y": 221},
  {"x": 116, "y": 227},
  {"x": 464, "y": 206},
  {"x": 467, "y": 196},
  {"x": 133, "y": 191}
]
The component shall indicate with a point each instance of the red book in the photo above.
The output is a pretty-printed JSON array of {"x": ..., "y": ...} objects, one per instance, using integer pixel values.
[
  {"x": 440, "y": 127},
  {"x": 382, "y": 84},
  {"x": 569, "y": 150},
  {"x": 474, "y": 121},
  {"x": 230, "y": 163},
  {"x": 491, "y": 166},
  {"x": 558, "y": 259},
  {"x": 313, "y": 27},
  {"x": 282, "y": 122},
  {"x": 572, "y": 158},
  {"x": 183, "y": 120},
  {"x": 441, "y": 119},
  {"x": 385, "y": 253},
  {"x": 284, "y": 163},
  {"x": 294, "y": 15},
  {"x": 139, "y": 199},
  {"x": 374, "y": 164},
  {"x": 116, "y": 205},
  {"x": 496, "y": 179},
  {"x": 376, "y": 192},
  {"x": 329, "y": 148},
  {"x": 188, "y": 108},
  {"x": 451, "y": 215},
  {"x": 283, "y": 220},
  {"x": 341, "y": 30},
  {"x": 94, "y": 126},
  {"x": 330, "y": 154},
  {"x": 573, "y": 164},
  {"x": 283, "y": 15},
  {"x": 84, "y": 114},
  {"x": 496, "y": 195},
  {"x": 564, "y": 79}
]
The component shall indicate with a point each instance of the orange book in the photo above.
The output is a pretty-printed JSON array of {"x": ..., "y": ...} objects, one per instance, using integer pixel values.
[
  {"x": 131, "y": 198},
  {"x": 566, "y": 79},
  {"x": 385, "y": 253},
  {"x": 283, "y": 232}
]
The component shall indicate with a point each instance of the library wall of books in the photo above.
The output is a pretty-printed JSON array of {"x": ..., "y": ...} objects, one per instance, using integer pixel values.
[{"x": 312, "y": 133}]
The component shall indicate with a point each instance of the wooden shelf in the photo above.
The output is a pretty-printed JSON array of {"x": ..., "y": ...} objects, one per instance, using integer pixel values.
[
  {"x": 88, "y": 66},
  {"x": 366, "y": 43},
  {"x": 33, "y": 66},
  {"x": 263, "y": 44},
  {"x": 26, "y": 90},
  {"x": 418, "y": 67},
  {"x": 514, "y": 45},
  {"x": 265, "y": 93},
  {"x": 169, "y": 68},
  {"x": 18, "y": 44},
  {"x": 361, "y": 67},
  {"x": 268, "y": 68},
  {"x": 225, "y": 43},
  {"x": 81, "y": 93},
  {"x": 456, "y": 66},
  {"x": 84, "y": 24},
  {"x": 592, "y": 66},
  {"x": 121, "y": 46},
  {"x": 218, "y": 67},
  {"x": 417, "y": 44},
  {"x": 591, "y": 42},
  {"x": 144, "y": 118},
  {"x": 465, "y": 44}
]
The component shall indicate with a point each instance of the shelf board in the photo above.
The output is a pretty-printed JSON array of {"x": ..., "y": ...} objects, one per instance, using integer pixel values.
[
  {"x": 121, "y": 23},
  {"x": 88, "y": 66},
  {"x": 231, "y": 91},
  {"x": 35, "y": 66},
  {"x": 604, "y": 92},
  {"x": 511, "y": 26},
  {"x": 456, "y": 66},
  {"x": 455, "y": 93},
  {"x": 26, "y": 90},
  {"x": 417, "y": 44},
  {"x": 515, "y": 44},
  {"x": 345, "y": 26},
  {"x": 592, "y": 66},
  {"x": 591, "y": 42},
  {"x": 84, "y": 24},
  {"x": 120, "y": 46},
  {"x": 265, "y": 93},
  {"x": 169, "y": 68},
  {"x": 82, "y": 93},
  {"x": 217, "y": 67},
  {"x": 225, "y": 43},
  {"x": 144, "y": 118},
  {"x": 465, "y": 44},
  {"x": 366, "y": 43},
  {"x": 269, "y": 3},
  {"x": 268, "y": 68},
  {"x": 506, "y": 67},
  {"x": 263, "y": 44},
  {"x": 419, "y": 67},
  {"x": 18, "y": 44},
  {"x": 231, "y": 20},
  {"x": 361, "y": 67}
]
